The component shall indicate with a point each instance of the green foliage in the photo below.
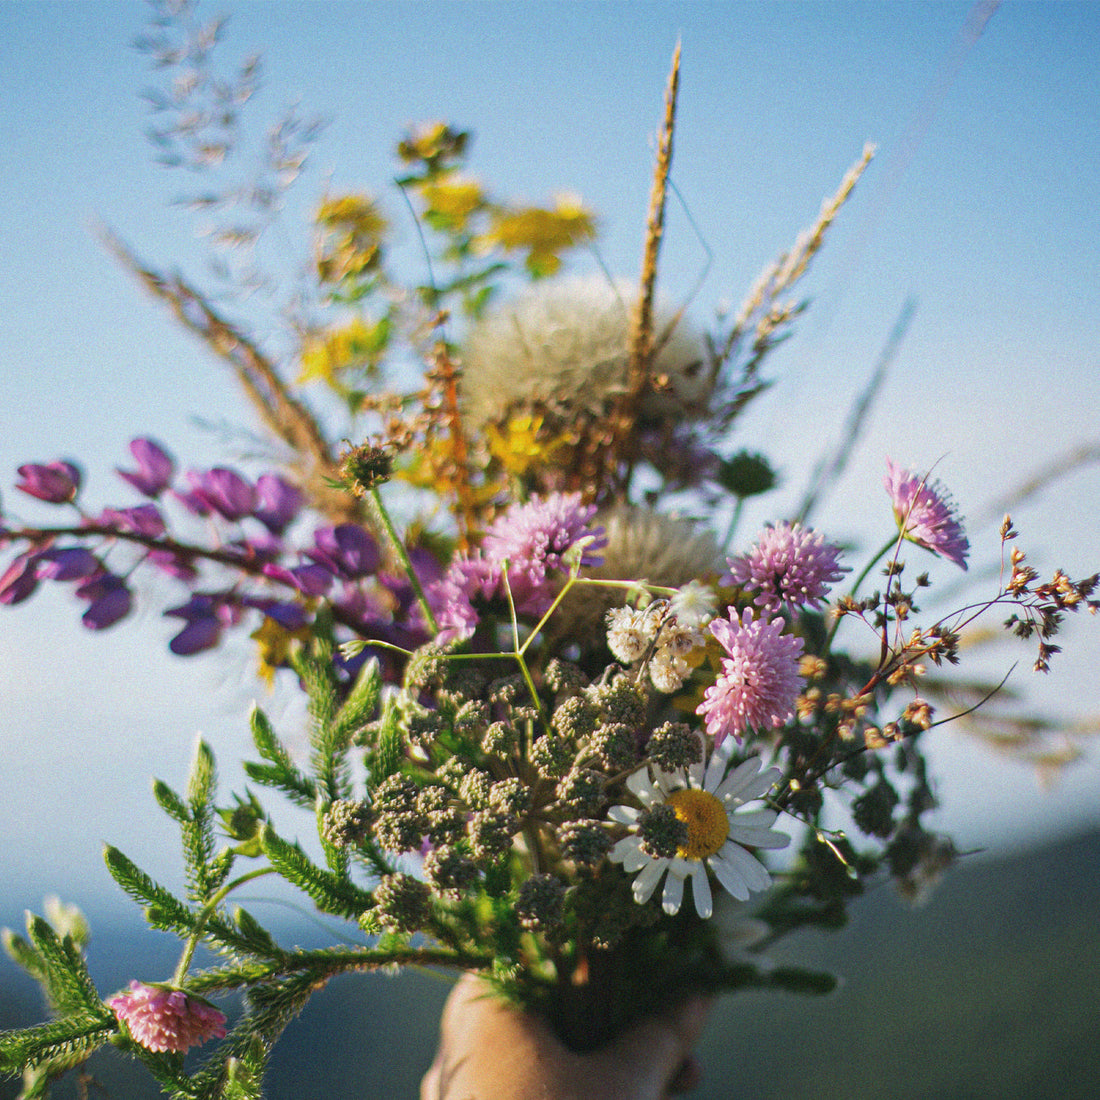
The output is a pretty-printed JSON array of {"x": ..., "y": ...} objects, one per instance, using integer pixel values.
[
  {"x": 280, "y": 772},
  {"x": 331, "y": 893}
]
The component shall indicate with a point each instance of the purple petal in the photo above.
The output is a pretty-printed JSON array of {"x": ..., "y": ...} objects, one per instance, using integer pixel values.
[
  {"x": 53, "y": 482},
  {"x": 114, "y": 604},
  {"x": 290, "y": 616},
  {"x": 347, "y": 549},
  {"x": 197, "y": 635},
  {"x": 310, "y": 580},
  {"x": 145, "y": 520},
  {"x": 67, "y": 564},
  {"x": 19, "y": 580},
  {"x": 224, "y": 491},
  {"x": 279, "y": 502},
  {"x": 155, "y": 468}
]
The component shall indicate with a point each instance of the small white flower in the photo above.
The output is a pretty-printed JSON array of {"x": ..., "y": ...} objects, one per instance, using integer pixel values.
[
  {"x": 668, "y": 671},
  {"x": 719, "y": 837},
  {"x": 694, "y": 604},
  {"x": 629, "y": 633}
]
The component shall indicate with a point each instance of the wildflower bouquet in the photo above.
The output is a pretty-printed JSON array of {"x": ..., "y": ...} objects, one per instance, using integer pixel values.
[{"x": 560, "y": 732}]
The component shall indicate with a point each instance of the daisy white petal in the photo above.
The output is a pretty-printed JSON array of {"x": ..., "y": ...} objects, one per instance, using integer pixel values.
[
  {"x": 700, "y": 891},
  {"x": 674, "y": 893},
  {"x": 647, "y": 880}
]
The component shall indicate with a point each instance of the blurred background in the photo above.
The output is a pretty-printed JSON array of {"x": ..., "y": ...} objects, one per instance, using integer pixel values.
[{"x": 979, "y": 213}]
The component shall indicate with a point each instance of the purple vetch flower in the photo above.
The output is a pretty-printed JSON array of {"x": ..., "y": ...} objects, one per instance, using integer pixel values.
[
  {"x": 926, "y": 514},
  {"x": 219, "y": 490},
  {"x": 348, "y": 550},
  {"x": 19, "y": 580},
  {"x": 67, "y": 563},
  {"x": 290, "y": 616},
  {"x": 789, "y": 565},
  {"x": 205, "y": 618},
  {"x": 310, "y": 578},
  {"x": 161, "y": 1018},
  {"x": 53, "y": 482},
  {"x": 144, "y": 519},
  {"x": 173, "y": 564},
  {"x": 759, "y": 680},
  {"x": 155, "y": 468},
  {"x": 109, "y": 600},
  {"x": 278, "y": 502}
]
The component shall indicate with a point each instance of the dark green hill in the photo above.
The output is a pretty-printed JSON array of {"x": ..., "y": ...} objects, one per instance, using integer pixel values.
[{"x": 989, "y": 992}]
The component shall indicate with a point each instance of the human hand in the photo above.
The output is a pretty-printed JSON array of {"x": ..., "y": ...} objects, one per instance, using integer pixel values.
[{"x": 491, "y": 1051}]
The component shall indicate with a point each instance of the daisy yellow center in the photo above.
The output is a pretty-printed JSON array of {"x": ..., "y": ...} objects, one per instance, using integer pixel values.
[{"x": 706, "y": 821}]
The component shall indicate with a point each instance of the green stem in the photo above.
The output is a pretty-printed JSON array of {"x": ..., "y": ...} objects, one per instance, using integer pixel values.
[
  {"x": 402, "y": 553},
  {"x": 205, "y": 914},
  {"x": 890, "y": 545}
]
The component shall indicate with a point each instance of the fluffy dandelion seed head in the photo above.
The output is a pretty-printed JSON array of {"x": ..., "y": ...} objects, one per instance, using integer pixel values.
[
  {"x": 565, "y": 345},
  {"x": 641, "y": 545},
  {"x": 707, "y": 822}
]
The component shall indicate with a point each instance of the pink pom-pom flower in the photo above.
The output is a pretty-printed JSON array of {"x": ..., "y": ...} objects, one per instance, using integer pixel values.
[{"x": 161, "y": 1018}]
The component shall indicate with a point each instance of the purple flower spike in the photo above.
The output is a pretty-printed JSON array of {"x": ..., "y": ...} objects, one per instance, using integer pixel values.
[
  {"x": 110, "y": 600},
  {"x": 290, "y": 616},
  {"x": 347, "y": 549},
  {"x": 68, "y": 563},
  {"x": 223, "y": 491},
  {"x": 310, "y": 580},
  {"x": 145, "y": 520},
  {"x": 155, "y": 468},
  {"x": 53, "y": 482},
  {"x": 279, "y": 502},
  {"x": 205, "y": 620},
  {"x": 19, "y": 580}
]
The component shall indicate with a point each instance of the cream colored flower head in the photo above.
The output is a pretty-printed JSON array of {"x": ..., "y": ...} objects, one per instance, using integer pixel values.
[{"x": 565, "y": 344}]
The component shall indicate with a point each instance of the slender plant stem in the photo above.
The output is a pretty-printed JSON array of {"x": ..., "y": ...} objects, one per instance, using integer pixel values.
[
  {"x": 206, "y": 913},
  {"x": 402, "y": 553}
]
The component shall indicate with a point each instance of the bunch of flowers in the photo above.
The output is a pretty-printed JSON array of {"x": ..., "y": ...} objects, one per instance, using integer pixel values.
[{"x": 533, "y": 726}]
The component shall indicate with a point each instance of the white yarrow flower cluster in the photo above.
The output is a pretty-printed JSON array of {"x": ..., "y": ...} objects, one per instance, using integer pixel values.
[{"x": 655, "y": 631}]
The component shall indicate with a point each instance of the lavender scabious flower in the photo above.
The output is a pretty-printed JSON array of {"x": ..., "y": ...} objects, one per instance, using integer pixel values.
[
  {"x": 155, "y": 468},
  {"x": 533, "y": 538},
  {"x": 53, "y": 482},
  {"x": 789, "y": 565},
  {"x": 164, "y": 1019},
  {"x": 759, "y": 679},
  {"x": 926, "y": 514}
]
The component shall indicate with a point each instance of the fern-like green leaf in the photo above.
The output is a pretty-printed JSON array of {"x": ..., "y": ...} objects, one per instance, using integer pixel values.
[
  {"x": 330, "y": 893},
  {"x": 68, "y": 983}
]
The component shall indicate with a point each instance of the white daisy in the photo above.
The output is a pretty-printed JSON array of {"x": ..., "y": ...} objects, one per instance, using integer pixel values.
[{"x": 719, "y": 837}]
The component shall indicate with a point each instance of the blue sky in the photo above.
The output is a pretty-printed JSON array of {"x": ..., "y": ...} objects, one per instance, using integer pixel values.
[{"x": 981, "y": 204}]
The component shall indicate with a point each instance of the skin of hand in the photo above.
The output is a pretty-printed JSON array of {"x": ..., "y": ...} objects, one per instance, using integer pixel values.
[{"x": 491, "y": 1051}]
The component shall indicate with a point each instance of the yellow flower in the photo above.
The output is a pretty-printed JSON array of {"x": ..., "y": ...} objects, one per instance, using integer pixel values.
[
  {"x": 357, "y": 344},
  {"x": 517, "y": 447},
  {"x": 450, "y": 200},
  {"x": 350, "y": 241},
  {"x": 273, "y": 646},
  {"x": 543, "y": 233}
]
